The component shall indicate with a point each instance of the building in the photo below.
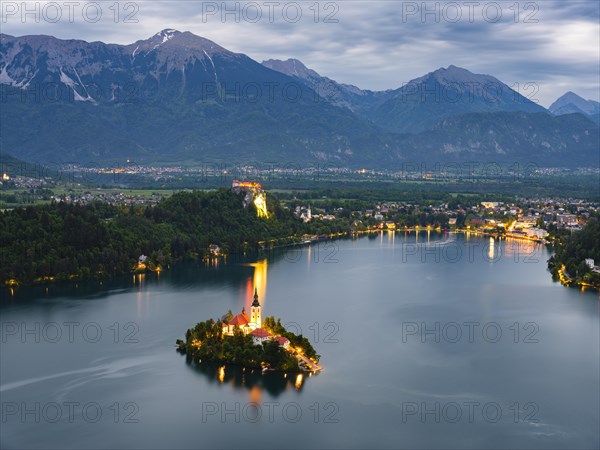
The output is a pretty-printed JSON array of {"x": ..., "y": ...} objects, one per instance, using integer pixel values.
[
  {"x": 307, "y": 215},
  {"x": 244, "y": 323},
  {"x": 252, "y": 325},
  {"x": 240, "y": 322},
  {"x": 260, "y": 335},
  {"x": 536, "y": 233},
  {"x": 254, "y": 194},
  {"x": 283, "y": 341},
  {"x": 490, "y": 205},
  {"x": 255, "y": 312},
  {"x": 566, "y": 219}
]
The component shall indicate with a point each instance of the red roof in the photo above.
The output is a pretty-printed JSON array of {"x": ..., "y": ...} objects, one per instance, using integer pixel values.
[
  {"x": 281, "y": 340},
  {"x": 239, "y": 320},
  {"x": 260, "y": 333}
]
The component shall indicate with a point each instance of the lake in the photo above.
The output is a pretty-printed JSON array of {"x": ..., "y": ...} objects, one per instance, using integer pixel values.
[{"x": 428, "y": 340}]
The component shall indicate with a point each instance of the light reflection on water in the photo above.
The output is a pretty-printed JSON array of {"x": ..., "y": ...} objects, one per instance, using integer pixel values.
[{"x": 377, "y": 284}]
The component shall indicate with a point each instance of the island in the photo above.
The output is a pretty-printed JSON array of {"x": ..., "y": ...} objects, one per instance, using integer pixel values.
[{"x": 251, "y": 342}]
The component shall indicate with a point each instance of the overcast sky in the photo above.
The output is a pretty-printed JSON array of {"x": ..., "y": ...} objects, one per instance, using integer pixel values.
[{"x": 372, "y": 44}]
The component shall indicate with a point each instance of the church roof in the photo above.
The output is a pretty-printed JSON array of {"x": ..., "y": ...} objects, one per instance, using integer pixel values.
[
  {"x": 260, "y": 333},
  {"x": 255, "y": 302},
  {"x": 240, "y": 320}
]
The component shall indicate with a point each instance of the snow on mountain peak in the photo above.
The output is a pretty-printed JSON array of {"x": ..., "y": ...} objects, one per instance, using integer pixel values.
[{"x": 166, "y": 34}]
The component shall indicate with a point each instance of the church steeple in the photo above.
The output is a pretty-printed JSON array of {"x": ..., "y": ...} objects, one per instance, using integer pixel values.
[{"x": 255, "y": 313}]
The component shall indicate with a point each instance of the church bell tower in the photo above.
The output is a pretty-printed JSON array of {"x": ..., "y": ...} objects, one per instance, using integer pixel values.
[{"x": 255, "y": 317}]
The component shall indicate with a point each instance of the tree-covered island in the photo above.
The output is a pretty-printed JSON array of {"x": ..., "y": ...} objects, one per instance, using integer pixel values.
[{"x": 250, "y": 341}]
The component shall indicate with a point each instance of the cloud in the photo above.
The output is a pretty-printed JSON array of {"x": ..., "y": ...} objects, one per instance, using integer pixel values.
[{"x": 372, "y": 44}]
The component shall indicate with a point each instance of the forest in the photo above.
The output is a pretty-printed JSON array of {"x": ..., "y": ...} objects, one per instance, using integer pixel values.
[
  {"x": 68, "y": 241},
  {"x": 573, "y": 248}
]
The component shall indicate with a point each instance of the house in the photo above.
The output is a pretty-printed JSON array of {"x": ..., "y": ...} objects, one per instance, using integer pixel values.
[
  {"x": 260, "y": 335},
  {"x": 284, "y": 342},
  {"x": 566, "y": 219},
  {"x": 536, "y": 233}
]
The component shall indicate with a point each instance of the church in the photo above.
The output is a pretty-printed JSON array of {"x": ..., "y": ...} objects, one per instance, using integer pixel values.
[
  {"x": 252, "y": 325},
  {"x": 246, "y": 324}
]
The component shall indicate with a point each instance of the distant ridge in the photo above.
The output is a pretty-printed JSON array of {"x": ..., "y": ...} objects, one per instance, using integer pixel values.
[
  {"x": 180, "y": 97},
  {"x": 571, "y": 103}
]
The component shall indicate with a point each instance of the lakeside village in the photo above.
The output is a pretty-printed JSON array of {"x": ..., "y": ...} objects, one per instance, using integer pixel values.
[
  {"x": 528, "y": 220},
  {"x": 251, "y": 342}
]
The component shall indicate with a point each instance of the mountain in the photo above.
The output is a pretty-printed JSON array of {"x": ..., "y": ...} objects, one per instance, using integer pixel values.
[
  {"x": 360, "y": 101},
  {"x": 420, "y": 103},
  {"x": 424, "y": 101},
  {"x": 173, "y": 97},
  {"x": 178, "y": 97},
  {"x": 571, "y": 103},
  {"x": 526, "y": 138}
]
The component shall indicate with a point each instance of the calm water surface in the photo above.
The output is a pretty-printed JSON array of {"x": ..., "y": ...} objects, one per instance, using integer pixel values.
[{"x": 428, "y": 341}]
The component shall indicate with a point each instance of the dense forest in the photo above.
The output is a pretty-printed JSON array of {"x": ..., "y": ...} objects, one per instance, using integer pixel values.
[
  {"x": 573, "y": 248},
  {"x": 62, "y": 241}
]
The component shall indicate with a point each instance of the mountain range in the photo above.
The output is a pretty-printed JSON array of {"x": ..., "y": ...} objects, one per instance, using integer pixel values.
[
  {"x": 419, "y": 104},
  {"x": 178, "y": 97}
]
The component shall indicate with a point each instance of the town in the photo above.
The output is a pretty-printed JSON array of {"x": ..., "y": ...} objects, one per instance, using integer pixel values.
[{"x": 525, "y": 217}]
